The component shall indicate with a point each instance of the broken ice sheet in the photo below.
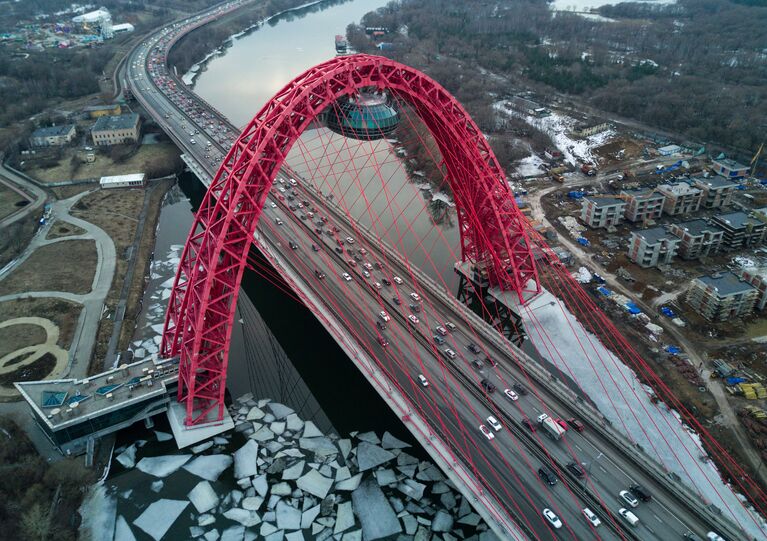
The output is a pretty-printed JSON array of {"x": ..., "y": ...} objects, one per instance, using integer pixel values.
[
  {"x": 209, "y": 467},
  {"x": 157, "y": 519},
  {"x": 203, "y": 497},
  {"x": 162, "y": 466}
]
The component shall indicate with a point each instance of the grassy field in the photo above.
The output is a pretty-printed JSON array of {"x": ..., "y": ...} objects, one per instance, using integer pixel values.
[
  {"x": 104, "y": 166},
  {"x": 68, "y": 265},
  {"x": 63, "y": 313},
  {"x": 8, "y": 201},
  {"x": 64, "y": 229}
]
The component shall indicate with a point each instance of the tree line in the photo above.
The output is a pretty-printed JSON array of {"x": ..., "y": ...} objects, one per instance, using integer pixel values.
[{"x": 694, "y": 67}]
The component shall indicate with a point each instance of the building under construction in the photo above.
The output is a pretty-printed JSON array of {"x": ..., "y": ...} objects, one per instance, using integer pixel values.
[{"x": 721, "y": 297}]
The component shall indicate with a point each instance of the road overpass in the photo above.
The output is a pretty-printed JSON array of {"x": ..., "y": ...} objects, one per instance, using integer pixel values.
[{"x": 506, "y": 467}]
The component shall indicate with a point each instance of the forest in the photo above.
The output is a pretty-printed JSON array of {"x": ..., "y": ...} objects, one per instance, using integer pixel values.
[{"x": 695, "y": 67}]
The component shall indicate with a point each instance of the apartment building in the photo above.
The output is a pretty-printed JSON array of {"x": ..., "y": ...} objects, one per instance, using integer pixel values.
[
  {"x": 717, "y": 191},
  {"x": 680, "y": 198},
  {"x": 740, "y": 230},
  {"x": 698, "y": 238},
  {"x": 643, "y": 205},
  {"x": 600, "y": 212},
  {"x": 729, "y": 168},
  {"x": 652, "y": 247},
  {"x": 722, "y": 297},
  {"x": 757, "y": 277}
]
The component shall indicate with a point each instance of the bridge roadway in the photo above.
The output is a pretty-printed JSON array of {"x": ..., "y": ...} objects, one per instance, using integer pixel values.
[{"x": 610, "y": 469}]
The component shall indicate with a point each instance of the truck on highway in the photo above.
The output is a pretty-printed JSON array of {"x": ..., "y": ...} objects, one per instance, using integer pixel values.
[{"x": 551, "y": 427}]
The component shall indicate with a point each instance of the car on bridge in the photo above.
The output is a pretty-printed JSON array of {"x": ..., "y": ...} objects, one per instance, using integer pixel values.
[
  {"x": 315, "y": 248},
  {"x": 473, "y": 348},
  {"x": 368, "y": 266},
  {"x": 423, "y": 380},
  {"x": 413, "y": 320},
  {"x": 395, "y": 300},
  {"x": 319, "y": 274},
  {"x": 449, "y": 353},
  {"x": 415, "y": 297},
  {"x": 377, "y": 285},
  {"x": 385, "y": 281},
  {"x": 640, "y": 492},
  {"x": 487, "y": 385},
  {"x": 352, "y": 263},
  {"x": 350, "y": 240},
  {"x": 293, "y": 245},
  {"x": 278, "y": 221},
  {"x": 440, "y": 330},
  {"x": 511, "y": 395},
  {"x": 552, "y": 517},
  {"x": 491, "y": 361},
  {"x": 520, "y": 388},
  {"x": 449, "y": 326},
  {"x": 576, "y": 424},
  {"x": 486, "y": 431},
  {"x": 493, "y": 422},
  {"x": 383, "y": 341},
  {"x": 591, "y": 517},
  {"x": 547, "y": 476},
  {"x": 415, "y": 307},
  {"x": 383, "y": 315},
  {"x": 576, "y": 469},
  {"x": 381, "y": 325},
  {"x": 397, "y": 280},
  {"x": 347, "y": 277},
  {"x": 628, "y": 516},
  {"x": 439, "y": 340},
  {"x": 366, "y": 274},
  {"x": 627, "y": 497}
]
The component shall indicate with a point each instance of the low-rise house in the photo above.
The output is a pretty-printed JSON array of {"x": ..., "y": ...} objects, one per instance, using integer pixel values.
[
  {"x": 586, "y": 130},
  {"x": 96, "y": 111},
  {"x": 116, "y": 130},
  {"x": 599, "y": 212},
  {"x": 681, "y": 198},
  {"x": 652, "y": 247},
  {"x": 53, "y": 136},
  {"x": 717, "y": 191},
  {"x": 643, "y": 205},
  {"x": 669, "y": 150},
  {"x": 729, "y": 168},
  {"x": 740, "y": 230},
  {"x": 135, "y": 180},
  {"x": 757, "y": 277},
  {"x": 698, "y": 238},
  {"x": 722, "y": 297}
]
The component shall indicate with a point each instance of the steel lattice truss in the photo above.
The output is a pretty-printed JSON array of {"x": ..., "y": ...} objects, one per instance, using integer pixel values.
[{"x": 203, "y": 300}]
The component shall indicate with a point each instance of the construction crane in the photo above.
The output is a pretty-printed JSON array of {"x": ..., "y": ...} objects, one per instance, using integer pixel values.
[{"x": 755, "y": 160}]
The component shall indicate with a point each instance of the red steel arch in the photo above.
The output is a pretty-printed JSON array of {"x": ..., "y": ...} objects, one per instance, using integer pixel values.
[{"x": 202, "y": 303}]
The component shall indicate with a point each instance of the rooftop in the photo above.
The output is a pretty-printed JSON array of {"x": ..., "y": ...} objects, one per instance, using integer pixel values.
[
  {"x": 737, "y": 219},
  {"x": 122, "y": 122},
  {"x": 654, "y": 235},
  {"x": 698, "y": 227},
  {"x": 52, "y": 131},
  {"x": 101, "y": 107},
  {"x": 605, "y": 201},
  {"x": 730, "y": 164},
  {"x": 716, "y": 181},
  {"x": 678, "y": 189},
  {"x": 68, "y": 401},
  {"x": 118, "y": 179},
  {"x": 726, "y": 284},
  {"x": 645, "y": 193}
]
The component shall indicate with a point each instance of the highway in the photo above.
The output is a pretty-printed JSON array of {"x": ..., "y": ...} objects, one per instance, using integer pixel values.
[{"x": 454, "y": 403}]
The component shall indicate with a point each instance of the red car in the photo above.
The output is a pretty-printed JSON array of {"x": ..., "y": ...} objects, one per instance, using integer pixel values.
[
  {"x": 562, "y": 423},
  {"x": 576, "y": 424}
]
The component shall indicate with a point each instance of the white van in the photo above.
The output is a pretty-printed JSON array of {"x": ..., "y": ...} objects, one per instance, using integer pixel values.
[{"x": 630, "y": 517}]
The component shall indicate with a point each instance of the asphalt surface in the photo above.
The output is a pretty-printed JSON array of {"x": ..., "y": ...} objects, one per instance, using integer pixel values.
[{"x": 453, "y": 402}]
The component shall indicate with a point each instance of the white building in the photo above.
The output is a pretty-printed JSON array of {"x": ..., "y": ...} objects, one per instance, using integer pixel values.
[{"x": 136, "y": 180}]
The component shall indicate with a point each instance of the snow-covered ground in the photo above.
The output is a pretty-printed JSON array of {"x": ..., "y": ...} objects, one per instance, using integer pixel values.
[
  {"x": 559, "y": 127},
  {"x": 620, "y": 396},
  {"x": 529, "y": 166}
]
